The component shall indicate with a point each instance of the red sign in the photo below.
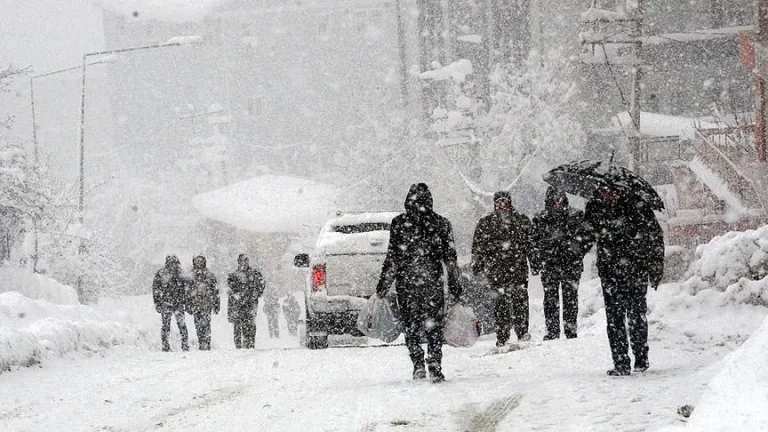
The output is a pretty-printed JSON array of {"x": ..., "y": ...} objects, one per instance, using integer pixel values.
[{"x": 747, "y": 50}]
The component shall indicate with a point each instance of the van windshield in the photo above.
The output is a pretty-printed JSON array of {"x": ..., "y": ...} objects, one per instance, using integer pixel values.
[{"x": 361, "y": 227}]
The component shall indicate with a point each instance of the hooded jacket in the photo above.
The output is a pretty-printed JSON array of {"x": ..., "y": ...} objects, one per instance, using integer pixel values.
[
  {"x": 630, "y": 242},
  {"x": 203, "y": 289},
  {"x": 168, "y": 286},
  {"x": 560, "y": 238},
  {"x": 501, "y": 247},
  {"x": 420, "y": 243},
  {"x": 245, "y": 288}
]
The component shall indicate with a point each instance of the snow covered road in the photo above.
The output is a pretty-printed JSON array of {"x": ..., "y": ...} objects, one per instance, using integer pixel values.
[{"x": 560, "y": 385}]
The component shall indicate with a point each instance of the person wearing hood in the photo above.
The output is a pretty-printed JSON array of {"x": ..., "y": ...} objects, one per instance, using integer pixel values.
[
  {"x": 246, "y": 285},
  {"x": 501, "y": 248},
  {"x": 169, "y": 295},
  {"x": 421, "y": 252},
  {"x": 203, "y": 300},
  {"x": 560, "y": 241},
  {"x": 630, "y": 258}
]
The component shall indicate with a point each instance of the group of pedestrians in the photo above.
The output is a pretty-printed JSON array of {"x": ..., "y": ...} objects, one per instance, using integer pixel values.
[
  {"x": 507, "y": 247},
  {"x": 176, "y": 293}
]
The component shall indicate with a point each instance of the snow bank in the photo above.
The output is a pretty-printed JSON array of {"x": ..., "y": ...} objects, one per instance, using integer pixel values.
[
  {"x": 36, "y": 286},
  {"x": 737, "y": 398},
  {"x": 269, "y": 204},
  {"x": 735, "y": 264},
  {"x": 32, "y": 330}
]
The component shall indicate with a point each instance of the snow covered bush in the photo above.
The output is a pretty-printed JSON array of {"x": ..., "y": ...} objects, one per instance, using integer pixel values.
[{"x": 735, "y": 263}]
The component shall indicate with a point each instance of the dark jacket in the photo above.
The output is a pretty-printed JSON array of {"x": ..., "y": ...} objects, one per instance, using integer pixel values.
[
  {"x": 501, "y": 248},
  {"x": 420, "y": 244},
  {"x": 245, "y": 288},
  {"x": 169, "y": 289},
  {"x": 271, "y": 304},
  {"x": 291, "y": 309},
  {"x": 203, "y": 292},
  {"x": 630, "y": 242},
  {"x": 560, "y": 239}
]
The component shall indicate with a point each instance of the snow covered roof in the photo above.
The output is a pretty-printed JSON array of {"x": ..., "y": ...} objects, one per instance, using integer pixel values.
[
  {"x": 660, "y": 125},
  {"x": 457, "y": 71},
  {"x": 269, "y": 204},
  {"x": 368, "y": 217},
  {"x": 698, "y": 35},
  {"x": 170, "y": 11}
]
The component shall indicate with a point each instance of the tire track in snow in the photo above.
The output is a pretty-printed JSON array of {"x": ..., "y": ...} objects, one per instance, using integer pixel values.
[{"x": 489, "y": 419}]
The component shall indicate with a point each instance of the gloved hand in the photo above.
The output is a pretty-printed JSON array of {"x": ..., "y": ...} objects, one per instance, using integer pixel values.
[
  {"x": 654, "y": 282},
  {"x": 216, "y": 309},
  {"x": 158, "y": 308},
  {"x": 535, "y": 272}
]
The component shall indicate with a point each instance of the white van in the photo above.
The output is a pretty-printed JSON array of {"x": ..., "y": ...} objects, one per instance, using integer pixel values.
[{"x": 344, "y": 270}]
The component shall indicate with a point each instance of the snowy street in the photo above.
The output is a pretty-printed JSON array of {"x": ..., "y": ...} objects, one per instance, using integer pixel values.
[{"x": 560, "y": 385}]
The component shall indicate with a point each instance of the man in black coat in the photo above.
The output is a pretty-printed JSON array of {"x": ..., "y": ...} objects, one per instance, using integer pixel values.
[
  {"x": 500, "y": 251},
  {"x": 630, "y": 257},
  {"x": 168, "y": 292},
  {"x": 203, "y": 300},
  {"x": 420, "y": 244},
  {"x": 246, "y": 285},
  {"x": 560, "y": 241}
]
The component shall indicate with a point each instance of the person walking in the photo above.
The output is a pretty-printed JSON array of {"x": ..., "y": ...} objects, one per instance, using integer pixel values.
[
  {"x": 245, "y": 285},
  {"x": 203, "y": 295},
  {"x": 421, "y": 245},
  {"x": 560, "y": 241},
  {"x": 272, "y": 310},
  {"x": 630, "y": 258},
  {"x": 291, "y": 311},
  {"x": 501, "y": 249},
  {"x": 169, "y": 295}
]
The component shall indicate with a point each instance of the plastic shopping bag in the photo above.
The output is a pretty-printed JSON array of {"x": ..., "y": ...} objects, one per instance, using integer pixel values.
[
  {"x": 462, "y": 327},
  {"x": 379, "y": 319}
]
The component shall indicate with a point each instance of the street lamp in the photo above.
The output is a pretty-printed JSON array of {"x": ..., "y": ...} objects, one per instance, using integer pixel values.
[
  {"x": 175, "y": 41},
  {"x": 32, "y": 97}
]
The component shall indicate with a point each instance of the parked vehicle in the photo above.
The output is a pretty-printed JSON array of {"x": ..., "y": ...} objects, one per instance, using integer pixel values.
[{"x": 344, "y": 270}]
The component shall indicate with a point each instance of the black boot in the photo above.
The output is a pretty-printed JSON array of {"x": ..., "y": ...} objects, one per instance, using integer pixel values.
[
  {"x": 641, "y": 365},
  {"x": 435, "y": 372},
  {"x": 618, "y": 372},
  {"x": 419, "y": 373},
  {"x": 549, "y": 337}
]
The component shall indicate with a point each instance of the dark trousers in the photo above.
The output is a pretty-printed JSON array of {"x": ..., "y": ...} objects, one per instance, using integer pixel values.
[
  {"x": 569, "y": 285},
  {"x": 203, "y": 328},
  {"x": 274, "y": 325},
  {"x": 625, "y": 302},
  {"x": 165, "y": 329},
  {"x": 245, "y": 333},
  {"x": 511, "y": 308},
  {"x": 431, "y": 326}
]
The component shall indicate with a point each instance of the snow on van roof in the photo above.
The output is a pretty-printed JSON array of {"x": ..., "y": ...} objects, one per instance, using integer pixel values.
[
  {"x": 358, "y": 218},
  {"x": 269, "y": 204}
]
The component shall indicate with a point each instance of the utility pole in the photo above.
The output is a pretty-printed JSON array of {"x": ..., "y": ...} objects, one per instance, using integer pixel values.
[
  {"x": 636, "y": 16},
  {"x": 403, "y": 54}
]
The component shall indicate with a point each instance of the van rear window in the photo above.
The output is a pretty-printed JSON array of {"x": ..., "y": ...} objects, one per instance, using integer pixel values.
[{"x": 361, "y": 227}]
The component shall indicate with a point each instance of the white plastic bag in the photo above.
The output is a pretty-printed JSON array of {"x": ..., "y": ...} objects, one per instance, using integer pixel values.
[
  {"x": 462, "y": 327},
  {"x": 379, "y": 319}
]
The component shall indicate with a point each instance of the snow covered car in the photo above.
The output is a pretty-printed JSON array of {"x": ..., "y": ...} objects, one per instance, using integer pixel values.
[{"x": 344, "y": 270}]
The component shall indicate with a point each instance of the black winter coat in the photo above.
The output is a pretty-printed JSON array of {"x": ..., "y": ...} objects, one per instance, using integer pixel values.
[
  {"x": 630, "y": 242},
  {"x": 245, "y": 288},
  {"x": 501, "y": 248},
  {"x": 420, "y": 244},
  {"x": 169, "y": 290},
  {"x": 203, "y": 292},
  {"x": 560, "y": 241}
]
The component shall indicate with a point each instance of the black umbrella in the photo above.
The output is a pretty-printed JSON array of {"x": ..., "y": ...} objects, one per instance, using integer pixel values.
[{"x": 585, "y": 177}]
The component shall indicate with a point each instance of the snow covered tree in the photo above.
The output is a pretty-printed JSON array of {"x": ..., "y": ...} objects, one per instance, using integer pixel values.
[{"x": 526, "y": 130}]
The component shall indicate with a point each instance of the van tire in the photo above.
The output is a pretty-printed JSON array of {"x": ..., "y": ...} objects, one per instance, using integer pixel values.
[{"x": 317, "y": 342}]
